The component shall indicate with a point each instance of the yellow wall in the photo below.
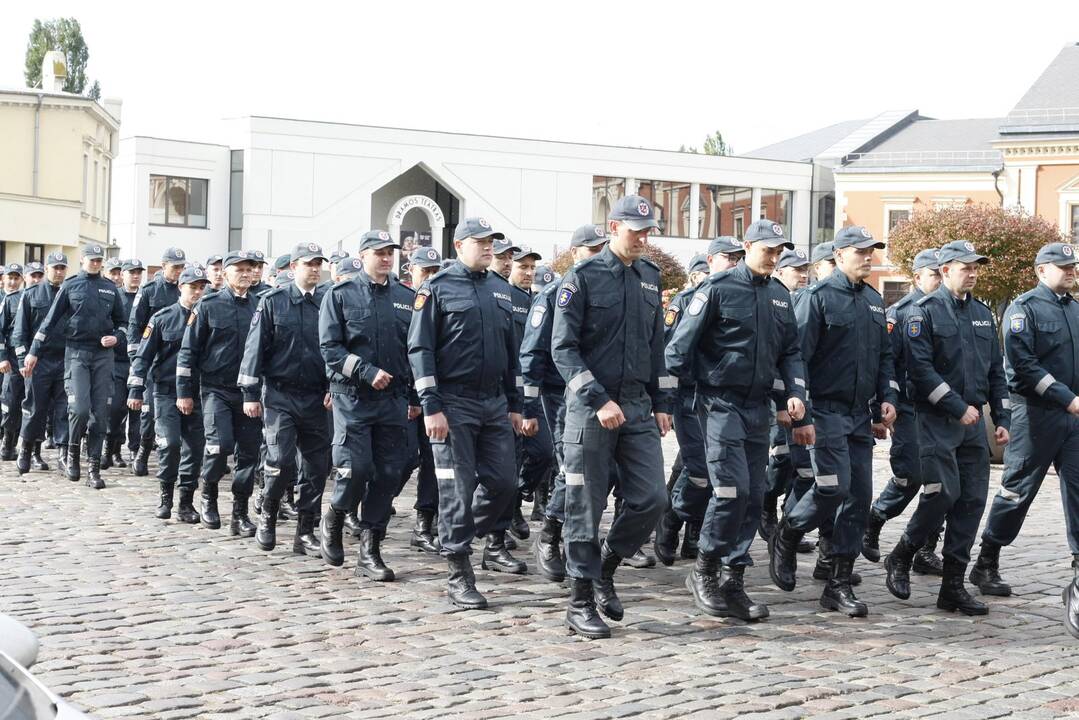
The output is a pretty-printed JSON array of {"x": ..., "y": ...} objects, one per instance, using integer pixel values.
[
  {"x": 16, "y": 149},
  {"x": 867, "y": 208},
  {"x": 1050, "y": 179}
]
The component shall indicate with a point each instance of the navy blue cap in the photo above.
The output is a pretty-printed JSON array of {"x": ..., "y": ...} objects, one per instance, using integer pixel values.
[
  {"x": 305, "y": 251},
  {"x": 588, "y": 236},
  {"x": 284, "y": 278},
  {"x": 173, "y": 256},
  {"x": 56, "y": 258},
  {"x": 338, "y": 255},
  {"x": 504, "y": 245},
  {"x": 13, "y": 268},
  {"x": 425, "y": 257},
  {"x": 34, "y": 267},
  {"x": 634, "y": 211},
  {"x": 792, "y": 258},
  {"x": 544, "y": 276},
  {"x": 349, "y": 266},
  {"x": 255, "y": 256},
  {"x": 113, "y": 264},
  {"x": 1057, "y": 254},
  {"x": 93, "y": 251},
  {"x": 192, "y": 274},
  {"x": 927, "y": 259},
  {"x": 376, "y": 239},
  {"x": 698, "y": 263},
  {"x": 132, "y": 264},
  {"x": 475, "y": 227},
  {"x": 960, "y": 251},
  {"x": 524, "y": 251},
  {"x": 282, "y": 262},
  {"x": 823, "y": 252},
  {"x": 768, "y": 232},
  {"x": 855, "y": 236},
  {"x": 237, "y": 256},
  {"x": 726, "y": 245}
]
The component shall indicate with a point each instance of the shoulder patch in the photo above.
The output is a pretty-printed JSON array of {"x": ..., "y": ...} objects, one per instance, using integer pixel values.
[
  {"x": 914, "y": 327},
  {"x": 536, "y": 318},
  {"x": 565, "y": 294},
  {"x": 149, "y": 329},
  {"x": 696, "y": 305},
  {"x": 1017, "y": 323},
  {"x": 671, "y": 315},
  {"x": 421, "y": 299}
]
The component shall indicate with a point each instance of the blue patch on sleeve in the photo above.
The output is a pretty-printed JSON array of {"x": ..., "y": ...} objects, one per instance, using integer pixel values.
[
  {"x": 914, "y": 328},
  {"x": 1018, "y": 323},
  {"x": 564, "y": 296}
]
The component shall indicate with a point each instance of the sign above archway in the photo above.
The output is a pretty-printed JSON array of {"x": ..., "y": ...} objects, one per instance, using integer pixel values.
[{"x": 420, "y": 202}]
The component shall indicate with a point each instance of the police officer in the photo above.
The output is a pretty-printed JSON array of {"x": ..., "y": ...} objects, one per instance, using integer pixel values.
[
  {"x": 423, "y": 263},
  {"x": 215, "y": 272},
  {"x": 607, "y": 342},
  {"x": 364, "y": 333},
  {"x": 88, "y": 311},
  {"x": 690, "y": 492},
  {"x": 12, "y": 392},
  {"x": 462, "y": 349},
  {"x": 823, "y": 259},
  {"x": 114, "y": 271},
  {"x": 954, "y": 364},
  {"x": 131, "y": 272},
  {"x": 337, "y": 258},
  {"x": 280, "y": 265},
  {"x": 747, "y": 314},
  {"x": 1042, "y": 349},
  {"x": 180, "y": 439},
  {"x": 503, "y": 260},
  {"x": 904, "y": 453},
  {"x": 544, "y": 276},
  {"x": 284, "y": 382},
  {"x": 259, "y": 286},
  {"x": 45, "y": 395},
  {"x": 849, "y": 363},
  {"x": 155, "y": 295},
  {"x": 544, "y": 394},
  {"x": 209, "y": 365}
]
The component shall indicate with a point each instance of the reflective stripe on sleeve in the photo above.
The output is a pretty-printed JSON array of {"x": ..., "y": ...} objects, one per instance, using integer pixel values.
[
  {"x": 132, "y": 347},
  {"x": 520, "y": 381},
  {"x": 40, "y": 336},
  {"x": 135, "y": 381},
  {"x": 931, "y": 488},
  {"x": 444, "y": 473},
  {"x": 778, "y": 385},
  {"x": 828, "y": 480},
  {"x": 425, "y": 382},
  {"x": 183, "y": 371},
  {"x": 726, "y": 493},
  {"x": 242, "y": 379},
  {"x": 1044, "y": 384},
  {"x": 578, "y": 381},
  {"x": 893, "y": 385},
  {"x": 531, "y": 391},
  {"x": 780, "y": 450},
  {"x": 668, "y": 382},
  {"x": 575, "y": 479},
  {"x": 1006, "y": 404},
  {"x": 350, "y": 365},
  {"x": 938, "y": 392}
]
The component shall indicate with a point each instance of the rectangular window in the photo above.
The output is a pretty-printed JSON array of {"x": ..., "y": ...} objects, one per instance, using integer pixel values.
[
  {"x": 894, "y": 292},
  {"x": 93, "y": 198},
  {"x": 897, "y": 216},
  {"x": 179, "y": 202},
  {"x": 1075, "y": 223},
  {"x": 606, "y": 191},
  {"x": 85, "y": 180},
  {"x": 732, "y": 205},
  {"x": 775, "y": 206},
  {"x": 740, "y": 225},
  {"x": 35, "y": 253},
  {"x": 670, "y": 202}
]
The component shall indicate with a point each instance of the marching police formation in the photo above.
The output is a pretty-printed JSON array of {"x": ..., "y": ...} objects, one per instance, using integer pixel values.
[{"x": 498, "y": 382}]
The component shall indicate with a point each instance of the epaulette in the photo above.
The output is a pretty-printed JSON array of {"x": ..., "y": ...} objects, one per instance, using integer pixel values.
[
  {"x": 923, "y": 300},
  {"x": 650, "y": 262}
]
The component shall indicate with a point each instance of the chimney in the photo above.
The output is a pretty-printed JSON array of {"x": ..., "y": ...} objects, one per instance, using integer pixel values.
[{"x": 53, "y": 72}]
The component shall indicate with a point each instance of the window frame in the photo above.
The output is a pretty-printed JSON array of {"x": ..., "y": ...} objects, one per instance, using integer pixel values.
[{"x": 187, "y": 215}]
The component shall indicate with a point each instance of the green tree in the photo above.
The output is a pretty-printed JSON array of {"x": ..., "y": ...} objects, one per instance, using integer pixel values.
[
  {"x": 672, "y": 274},
  {"x": 65, "y": 35},
  {"x": 1010, "y": 240},
  {"x": 714, "y": 144}
]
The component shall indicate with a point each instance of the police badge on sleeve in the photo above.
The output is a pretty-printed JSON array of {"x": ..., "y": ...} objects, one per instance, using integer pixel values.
[
  {"x": 536, "y": 319},
  {"x": 1018, "y": 323}
]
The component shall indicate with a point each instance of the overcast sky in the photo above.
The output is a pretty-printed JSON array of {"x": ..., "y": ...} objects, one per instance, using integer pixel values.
[{"x": 650, "y": 74}]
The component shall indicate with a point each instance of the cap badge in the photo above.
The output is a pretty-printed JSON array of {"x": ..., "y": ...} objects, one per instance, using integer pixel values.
[
  {"x": 383, "y": 235},
  {"x": 1067, "y": 250},
  {"x": 777, "y": 229},
  {"x": 969, "y": 246},
  {"x": 431, "y": 254},
  {"x": 642, "y": 208},
  {"x": 483, "y": 223},
  {"x": 312, "y": 247},
  {"x": 599, "y": 231}
]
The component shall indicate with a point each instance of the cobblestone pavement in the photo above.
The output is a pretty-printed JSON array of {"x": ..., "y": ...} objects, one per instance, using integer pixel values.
[{"x": 140, "y": 617}]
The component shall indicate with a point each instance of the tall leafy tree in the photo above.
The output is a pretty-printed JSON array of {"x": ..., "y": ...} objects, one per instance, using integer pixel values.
[
  {"x": 65, "y": 35},
  {"x": 714, "y": 144}
]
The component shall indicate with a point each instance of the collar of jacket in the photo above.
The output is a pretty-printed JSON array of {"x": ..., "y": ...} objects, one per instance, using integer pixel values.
[{"x": 840, "y": 280}]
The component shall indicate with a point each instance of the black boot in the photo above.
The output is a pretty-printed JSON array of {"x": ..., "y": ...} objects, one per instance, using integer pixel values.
[
  {"x": 332, "y": 546},
  {"x": 540, "y": 496},
  {"x": 953, "y": 594},
  {"x": 186, "y": 512},
  {"x": 640, "y": 559},
  {"x": 581, "y": 615},
  {"x": 666, "y": 543},
  {"x": 690, "y": 541},
  {"x": 606, "y": 596},
  {"x": 241, "y": 525},
  {"x": 116, "y": 453},
  {"x": 74, "y": 466},
  {"x": 210, "y": 518},
  {"x": 703, "y": 584},
  {"x": 769, "y": 517},
  {"x": 461, "y": 587},
  {"x": 986, "y": 571},
  {"x": 164, "y": 507},
  {"x": 7, "y": 446},
  {"x": 838, "y": 594},
  {"x": 369, "y": 561},
  {"x": 22, "y": 459},
  {"x": 733, "y": 591},
  {"x": 897, "y": 567},
  {"x": 423, "y": 536},
  {"x": 49, "y": 444},
  {"x": 93, "y": 478},
  {"x": 871, "y": 539},
  {"x": 288, "y": 509},
  {"x": 823, "y": 569},
  {"x": 926, "y": 560},
  {"x": 497, "y": 557},
  {"x": 518, "y": 525},
  {"x": 352, "y": 523},
  {"x": 548, "y": 551},
  {"x": 1071, "y": 601},
  {"x": 139, "y": 467},
  {"x": 783, "y": 556},
  {"x": 266, "y": 535},
  {"x": 106, "y": 454},
  {"x": 305, "y": 542},
  {"x": 37, "y": 462},
  {"x": 61, "y": 458}
]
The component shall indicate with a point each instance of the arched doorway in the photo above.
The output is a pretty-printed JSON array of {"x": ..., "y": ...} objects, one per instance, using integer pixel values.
[{"x": 402, "y": 207}]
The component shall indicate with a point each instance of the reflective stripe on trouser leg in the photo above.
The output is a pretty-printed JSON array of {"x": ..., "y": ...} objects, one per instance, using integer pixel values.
[
  {"x": 217, "y": 430},
  {"x": 941, "y": 439},
  {"x": 167, "y": 430},
  {"x": 831, "y": 471}
]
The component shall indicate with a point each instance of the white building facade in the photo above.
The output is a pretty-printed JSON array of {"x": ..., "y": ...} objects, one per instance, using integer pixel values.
[{"x": 280, "y": 182}]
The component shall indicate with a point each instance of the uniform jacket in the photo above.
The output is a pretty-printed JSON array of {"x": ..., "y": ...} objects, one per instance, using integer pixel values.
[
  {"x": 33, "y": 306},
  {"x": 213, "y": 343},
  {"x": 86, "y": 309},
  {"x": 1041, "y": 346},
  {"x": 152, "y": 296},
  {"x": 8, "y": 306},
  {"x": 157, "y": 353},
  {"x": 896, "y": 317}
]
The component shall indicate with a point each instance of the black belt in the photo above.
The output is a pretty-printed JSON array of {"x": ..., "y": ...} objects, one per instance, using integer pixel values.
[
  {"x": 471, "y": 391},
  {"x": 286, "y": 387},
  {"x": 367, "y": 393}
]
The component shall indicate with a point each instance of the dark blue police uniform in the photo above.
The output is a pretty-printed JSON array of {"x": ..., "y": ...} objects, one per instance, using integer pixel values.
[{"x": 13, "y": 390}]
